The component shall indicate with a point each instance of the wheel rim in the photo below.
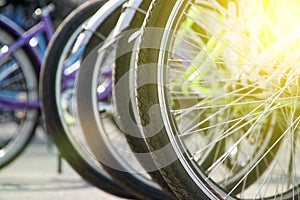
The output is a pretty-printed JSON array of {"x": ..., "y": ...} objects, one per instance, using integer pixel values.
[
  {"x": 17, "y": 83},
  {"x": 247, "y": 114}
]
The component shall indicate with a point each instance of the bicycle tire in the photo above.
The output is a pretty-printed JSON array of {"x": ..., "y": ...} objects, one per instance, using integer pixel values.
[
  {"x": 97, "y": 127},
  {"x": 20, "y": 83},
  {"x": 181, "y": 174},
  {"x": 87, "y": 168},
  {"x": 124, "y": 114}
]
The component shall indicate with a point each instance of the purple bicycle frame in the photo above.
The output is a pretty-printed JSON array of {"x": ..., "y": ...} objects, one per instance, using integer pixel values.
[{"x": 23, "y": 39}]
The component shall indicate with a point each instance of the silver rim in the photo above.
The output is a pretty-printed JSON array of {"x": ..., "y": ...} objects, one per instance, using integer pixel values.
[{"x": 235, "y": 95}]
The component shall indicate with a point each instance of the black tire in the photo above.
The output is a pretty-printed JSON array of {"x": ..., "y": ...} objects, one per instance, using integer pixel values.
[
  {"x": 177, "y": 164},
  {"x": 55, "y": 124},
  {"x": 146, "y": 96},
  {"x": 20, "y": 82},
  {"x": 96, "y": 127},
  {"x": 124, "y": 114}
]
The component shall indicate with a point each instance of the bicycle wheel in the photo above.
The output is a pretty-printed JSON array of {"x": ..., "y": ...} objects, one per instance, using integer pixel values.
[
  {"x": 124, "y": 112},
  {"x": 18, "y": 84},
  {"x": 225, "y": 93},
  {"x": 62, "y": 59},
  {"x": 104, "y": 137},
  {"x": 107, "y": 141}
]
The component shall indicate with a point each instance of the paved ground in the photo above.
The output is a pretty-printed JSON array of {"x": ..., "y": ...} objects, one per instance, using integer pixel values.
[{"x": 34, "y": 176}]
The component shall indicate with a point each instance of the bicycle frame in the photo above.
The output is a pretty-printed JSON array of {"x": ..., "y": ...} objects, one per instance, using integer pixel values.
[
  {"x": 24, "y": 38},
  {"x": 43, "y": 27}
]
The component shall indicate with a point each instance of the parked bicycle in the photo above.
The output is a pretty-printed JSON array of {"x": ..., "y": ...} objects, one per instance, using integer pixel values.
[
  {"x": 68, "y": 136},
  {"x": 72, "y": 43},
  {"x": 202, "y": 95},
  {"x": 21, "y": 62},
  {"x": 20, "y": 59},
  {"x": 224, "y": 77}
]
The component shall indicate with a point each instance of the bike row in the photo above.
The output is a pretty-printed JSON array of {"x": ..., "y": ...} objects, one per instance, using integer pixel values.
[{"x": 177, "y": 99}]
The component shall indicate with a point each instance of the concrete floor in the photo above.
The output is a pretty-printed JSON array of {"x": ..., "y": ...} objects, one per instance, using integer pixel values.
[{"x": 34, "y": 176}]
